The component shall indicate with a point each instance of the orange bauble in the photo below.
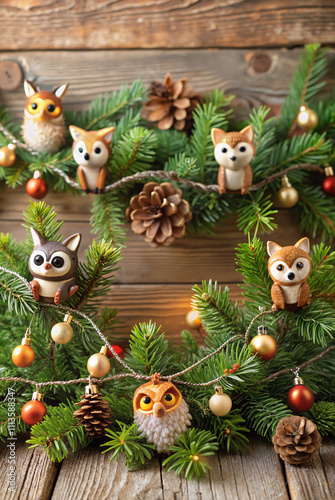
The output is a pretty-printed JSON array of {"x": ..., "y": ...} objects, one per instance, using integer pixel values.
[
  {"x": 23, "y": 356},
  {"x": 264, "y": 345},
  {"x": 36, "y": 187},
  {"x": 33, "y": 412}
]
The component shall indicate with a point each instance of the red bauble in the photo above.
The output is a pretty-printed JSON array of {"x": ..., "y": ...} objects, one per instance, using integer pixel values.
[
  {"x": 37, "y": 188},
  {"x": 33, "y": 412},
  {"x": 119, "y": 351},
  {"x": 328, "y": 185},
  {"x": 300, "y": 398}
]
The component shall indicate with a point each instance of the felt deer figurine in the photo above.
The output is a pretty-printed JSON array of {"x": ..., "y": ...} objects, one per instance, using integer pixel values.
[
  {"x": 233, "y": 152},
  {"x": 90, "y": 151}
]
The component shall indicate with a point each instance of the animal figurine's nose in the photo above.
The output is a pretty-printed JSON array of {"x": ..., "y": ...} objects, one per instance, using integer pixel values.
[
  {"x": 86, "y": 156},
  {"x": 291, "y": 276},
  {"x": 233, "y": 158},
  {"x": 159, "y": 410},
  {"x": 47, "y": 265}
]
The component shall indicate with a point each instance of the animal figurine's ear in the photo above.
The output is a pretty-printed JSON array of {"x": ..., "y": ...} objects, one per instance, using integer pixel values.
[
  {"x": 303, "y": 244},
  {"x": 61, "y": 90},
  {"x": 107, "y": 133},
  {"x": 249, "y": 132},
  {"x": 37, "y": 237},
  {"x": 217, "y": 135},
  {"x": 76, "y": 132},
  {"x": 272, "y": 247},
  {"x": 29, "y": 88},
  {"x": 73, "y": 242}
]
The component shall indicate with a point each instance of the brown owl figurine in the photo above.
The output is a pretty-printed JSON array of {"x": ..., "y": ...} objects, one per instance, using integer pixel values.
[
  {"x": 43, "y": 127},
  {"x": 160, "y": 413},
  {"x": 54, "y": 266}
]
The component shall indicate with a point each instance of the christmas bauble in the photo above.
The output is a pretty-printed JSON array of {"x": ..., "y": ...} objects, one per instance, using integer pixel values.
[
  {"x": 300, "y": 398},
  {"x": 23, "y": 356},
  {"x": 7, "y": 155},
  {"x": 220, "y": 404},
  {"x": 36, "y": 187},
  {"x": 98, "y": 365},
  {"x": 33, "y": 412},
  {"x": 119, "y": 351},
  {"x": 288, "y": 196},
  {"x": 62, "y": 333},
  {"x": 193, "y": 320},
  {"x": 328, "y": 185},
  {"x": 265, "y": 346},
  {"x": 307, "y": 119}
]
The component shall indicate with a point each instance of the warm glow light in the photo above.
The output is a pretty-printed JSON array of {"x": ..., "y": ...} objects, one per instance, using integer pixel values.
[{"x": 193, "y": 320}]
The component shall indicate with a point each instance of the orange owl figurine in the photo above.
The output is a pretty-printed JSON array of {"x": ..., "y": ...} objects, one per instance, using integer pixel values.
[
  {"x": 43, "y": 127},
  {"x": 233, "y": 152}
]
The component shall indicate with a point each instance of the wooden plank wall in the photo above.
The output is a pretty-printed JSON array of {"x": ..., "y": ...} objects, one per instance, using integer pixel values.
[{"x": 249, "y": 48}]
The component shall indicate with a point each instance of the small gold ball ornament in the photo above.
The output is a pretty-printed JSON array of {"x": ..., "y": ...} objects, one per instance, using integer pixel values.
[
  {"x": 98, "y": 365},
  {"x": 7, "y": 155},
  {"x": 307, "y": 119},
  {"x": 62, "y": 333},
  {"x": 264, "y": 345},
  {"x": 193, "y": 320},
  {"x": 288, "y": 196},
  {"x": 220, "y": 403}
]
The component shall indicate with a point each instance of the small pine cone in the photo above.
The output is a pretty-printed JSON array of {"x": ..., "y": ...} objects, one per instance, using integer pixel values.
[
  {"x": 94, "y": 414},
  {"x": 296, "y": 440},
  {"x": 171, "y": 104},
  {"x": 159, "y": 213}
]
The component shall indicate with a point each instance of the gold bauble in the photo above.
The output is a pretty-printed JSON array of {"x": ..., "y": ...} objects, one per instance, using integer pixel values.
[
  {"x": 98, "y": 365},
  {"x": 193, "y": 320},
  {"x": 288, "y": 197},
  {"x": 23, "y": 356},
  {"x": 220, "y": 404},
  {"x": 62, "y": 333},
  {"x": 307, "y": 119},
  {"x": 265, "y": 346},
  {"x": 7, "y": 155}
]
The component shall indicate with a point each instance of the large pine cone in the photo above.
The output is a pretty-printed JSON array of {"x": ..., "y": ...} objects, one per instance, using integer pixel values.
[
  {"x": 159, "y": 213},
  {"x": 296, "y": 440},
  {"x": 171, "y": 104},
  {"x": 94, "y": 414}
]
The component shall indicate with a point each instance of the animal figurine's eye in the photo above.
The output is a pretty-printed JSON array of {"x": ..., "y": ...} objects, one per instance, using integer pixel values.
[
  {"x": 38, "y": 260},
  {"x": 242, "y": 149},
  {"x": 97, "y": 150},
  {"x": 57, "y": 262},
  {"x": 80, "y": 150},
  {"x": 169, "y": 399},
  {"x": 224, "y": 150},
  {"x": 280, "y": 267},
  {"x": 300, "y": 265},
  {"x": 146, "y": 403},
  {"x": 51, "y": 108},
  {"x": 34, "y": 105}
]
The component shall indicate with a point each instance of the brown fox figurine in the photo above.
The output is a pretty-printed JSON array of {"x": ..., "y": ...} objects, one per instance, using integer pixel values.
[
  {"x": 233, "y": 152},
  {"x": 289, "y": 268}
]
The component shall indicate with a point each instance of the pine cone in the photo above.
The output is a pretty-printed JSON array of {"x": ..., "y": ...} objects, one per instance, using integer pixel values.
[
  {"x": 94, "y": 414},
  {"x": 159, "y": 213},
  {"x": 171, "y": 104},
  {"x": 296, "y": 440}
]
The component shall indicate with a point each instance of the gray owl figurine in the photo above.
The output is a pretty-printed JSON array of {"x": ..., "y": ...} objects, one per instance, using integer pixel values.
[{"x": 54, "y": 266}]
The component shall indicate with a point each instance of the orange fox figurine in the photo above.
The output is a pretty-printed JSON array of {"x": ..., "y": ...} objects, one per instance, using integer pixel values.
[
  {"x": 233, "y": 152},
  {"x": 289, "y": 268},
  {"x": 91, "y": 150}
]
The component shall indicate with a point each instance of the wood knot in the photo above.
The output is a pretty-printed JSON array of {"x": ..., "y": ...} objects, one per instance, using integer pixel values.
[{"x": 10, "y": 75}]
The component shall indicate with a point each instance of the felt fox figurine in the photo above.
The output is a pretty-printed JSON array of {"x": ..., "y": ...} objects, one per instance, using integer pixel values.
[
  {"x": 91, "y": 150},
  {"x": 233, "y": 152},
  {"x": 289, "y": 268}
]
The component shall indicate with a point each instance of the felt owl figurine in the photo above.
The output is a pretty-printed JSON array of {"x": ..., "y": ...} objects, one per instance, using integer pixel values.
[
  {"x": 91, "y": 150},
  {"x": 43, "y": 127},
  {"x": 161, "y": 413},
  {"x": 233, "y": 152},
  {"x": 54, "y": 266},
  {"x": 289, "y": 268}
]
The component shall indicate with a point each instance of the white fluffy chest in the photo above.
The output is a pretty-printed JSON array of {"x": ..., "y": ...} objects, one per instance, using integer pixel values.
[
  {"x": 233, "y": 179},
  {"x": 49, "y": 288},
  {"x": 291, "y": 293},
  {"x": 91, "y": 176}
]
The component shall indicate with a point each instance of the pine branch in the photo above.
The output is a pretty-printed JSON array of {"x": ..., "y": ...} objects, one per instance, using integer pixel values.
[{"x": 107, "y": 219}]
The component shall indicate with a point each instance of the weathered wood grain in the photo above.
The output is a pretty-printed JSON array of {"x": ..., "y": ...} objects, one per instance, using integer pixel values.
[
  {"x": 163, "y": 24},
  {"x": 35, "y": 473},
  {"x": 91, "y": 73},
  {"x": 310, "y": 481}
]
